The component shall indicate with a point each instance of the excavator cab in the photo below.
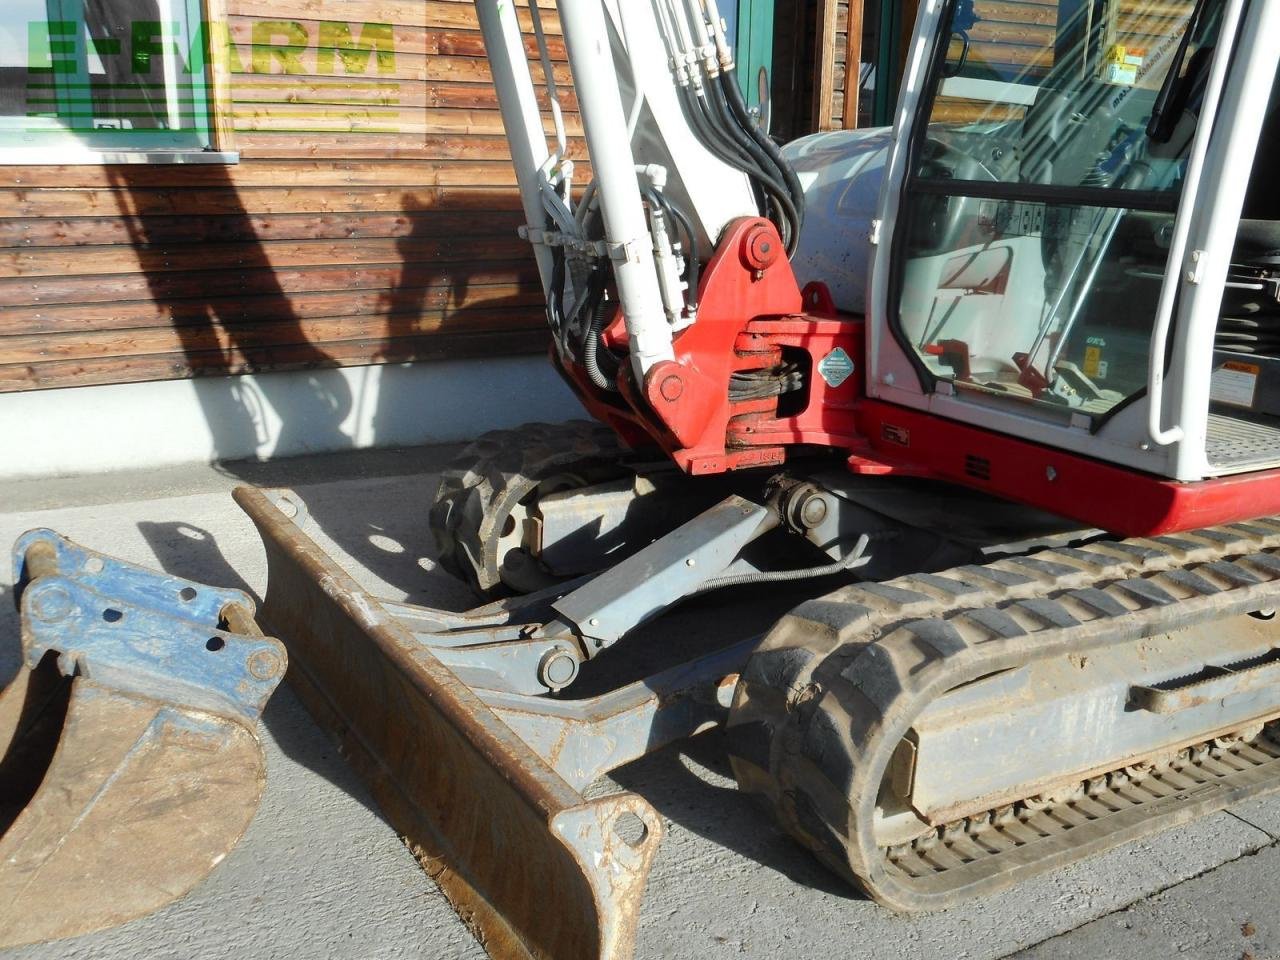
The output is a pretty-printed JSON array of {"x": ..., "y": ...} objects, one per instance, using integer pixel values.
[
  {"x": 1066, "y": 254},
  {"x": 985, "y": 558}
]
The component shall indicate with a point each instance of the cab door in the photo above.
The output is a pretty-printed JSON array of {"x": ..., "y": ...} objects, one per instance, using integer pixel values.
[{"x": 1049, "y": 183}]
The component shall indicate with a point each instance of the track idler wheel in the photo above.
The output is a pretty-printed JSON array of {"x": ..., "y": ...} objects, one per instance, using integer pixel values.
[{"x": 487, "y": 490}]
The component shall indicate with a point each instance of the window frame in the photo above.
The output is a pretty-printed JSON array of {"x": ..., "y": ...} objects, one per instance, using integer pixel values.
[
  {"x": 1141, "y": 201},
  {"x": 73, "y": 148}
]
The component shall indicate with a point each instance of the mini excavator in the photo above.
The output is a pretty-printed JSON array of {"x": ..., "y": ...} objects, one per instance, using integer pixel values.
[{"x": 939, "y": 466}]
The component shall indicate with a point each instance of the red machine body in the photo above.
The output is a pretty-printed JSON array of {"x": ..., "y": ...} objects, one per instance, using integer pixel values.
[{"x": 753, "y": 314}]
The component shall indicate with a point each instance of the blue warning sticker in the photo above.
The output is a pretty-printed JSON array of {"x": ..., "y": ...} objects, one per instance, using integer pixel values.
[{"x": 836, "y": 367}]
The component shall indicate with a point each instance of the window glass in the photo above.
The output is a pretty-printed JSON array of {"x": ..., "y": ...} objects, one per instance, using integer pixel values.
[
  {"x": 1061, "y": 93},
  {"x": 1039, "y": 215},
  {"x": 114, "y": 75}
]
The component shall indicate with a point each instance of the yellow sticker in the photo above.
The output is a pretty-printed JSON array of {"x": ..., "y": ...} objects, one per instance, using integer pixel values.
[{"x": 1092, "y": 361}]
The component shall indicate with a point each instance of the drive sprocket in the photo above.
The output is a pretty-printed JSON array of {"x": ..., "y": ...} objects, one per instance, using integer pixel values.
[{"x": 473, "y": 515}]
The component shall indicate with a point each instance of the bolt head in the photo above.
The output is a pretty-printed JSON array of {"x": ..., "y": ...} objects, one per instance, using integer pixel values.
[
  {"x": 558, "y": 669},
  {"x": 264, "y": 665},
  {"x": 672, "y": 388},
  {"x": 813, "y": 511},
  {"x": 51, "y": 603}
]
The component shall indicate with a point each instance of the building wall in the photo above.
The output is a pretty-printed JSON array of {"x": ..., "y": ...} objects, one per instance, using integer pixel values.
[
  {"x": 124, "y": 426},
  {"x": 371, "y": 218}
]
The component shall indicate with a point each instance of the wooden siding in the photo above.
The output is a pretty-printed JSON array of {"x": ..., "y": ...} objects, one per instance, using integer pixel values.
[
  {"x": 371, "y": 219},
  {"x": 1016, "y": 37}
]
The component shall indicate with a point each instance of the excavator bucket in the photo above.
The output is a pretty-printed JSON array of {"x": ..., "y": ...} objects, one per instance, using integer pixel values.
[
  {"x": 533, "y": 867},
  {"x": 129, "y": 763}
]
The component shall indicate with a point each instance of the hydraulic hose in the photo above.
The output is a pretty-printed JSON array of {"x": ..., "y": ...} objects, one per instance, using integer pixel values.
[
  {"x": 777, "y": 191},
  {"x": 694, "y": 276},
  {"x": 591, "y": 339},
  {"x": 705, "y": 130},
  {"x": 693, "y": 271},
  {"x": 858, "y": 558},
  {"x": 729, "y": 81}
]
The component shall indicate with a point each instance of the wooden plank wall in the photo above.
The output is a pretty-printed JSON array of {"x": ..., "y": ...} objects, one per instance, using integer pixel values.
[
  {"x": 835, "y": 96},
  {"x": 371, "y": 219},
  {"x": 1017, "y": 35},
  {"x": 845, "y": 82}
]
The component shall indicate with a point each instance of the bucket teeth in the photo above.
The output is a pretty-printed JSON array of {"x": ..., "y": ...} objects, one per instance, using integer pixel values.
[{"x": 129, "y": 762}]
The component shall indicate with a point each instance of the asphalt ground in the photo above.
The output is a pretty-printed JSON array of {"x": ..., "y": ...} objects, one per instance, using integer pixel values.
[{"x": 320, "y": 874}]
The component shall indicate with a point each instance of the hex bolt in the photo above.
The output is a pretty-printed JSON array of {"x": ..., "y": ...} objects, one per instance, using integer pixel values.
[{"x": 1050, "y": 474}]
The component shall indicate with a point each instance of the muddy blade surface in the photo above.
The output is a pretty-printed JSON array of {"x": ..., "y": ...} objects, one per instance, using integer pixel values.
[
  {"x": 113, "y": 805},
  {"x": 533, "y": 868}
]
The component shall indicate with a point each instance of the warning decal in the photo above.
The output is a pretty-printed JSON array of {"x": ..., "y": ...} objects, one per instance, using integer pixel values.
[
  {"x": 836, "y": 367},
  {"x": 1235, "y": 383}
]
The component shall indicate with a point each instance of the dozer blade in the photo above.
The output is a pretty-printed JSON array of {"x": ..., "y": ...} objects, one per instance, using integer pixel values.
[
  {"x": 129, "y": 766},
  {"x": 534, "y": 868}
]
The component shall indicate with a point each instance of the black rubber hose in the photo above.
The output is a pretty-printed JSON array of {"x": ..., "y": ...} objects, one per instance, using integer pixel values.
[
  {"x": 694, "y": 274},
  {"x": 555, "y": 301},
  {"x": 771, "y": 184},
  {"x": 729, "y": 81},
  {"x": 702, "y": 117},
  {"x": 728, "y": 125},
  {"x": 721, "y": 146},
  {"x": 591, "y": 341},
  {"x": 733, "y": 152},
  {"x": 746, "y": 131},
  {"x": 693, "y": 271}
]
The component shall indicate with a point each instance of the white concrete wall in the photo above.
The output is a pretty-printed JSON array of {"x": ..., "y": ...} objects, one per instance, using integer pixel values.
[{"x": 139, "y": 425}]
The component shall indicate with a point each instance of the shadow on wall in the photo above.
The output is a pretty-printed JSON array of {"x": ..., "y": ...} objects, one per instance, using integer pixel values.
[
  {"x": 364, "y": 276},
  {"x": 222, "y": 317},
  {"x": 293, "y": 275},
  {"x": 216, "y": 328},
  {"x": 459, "y": 280}
]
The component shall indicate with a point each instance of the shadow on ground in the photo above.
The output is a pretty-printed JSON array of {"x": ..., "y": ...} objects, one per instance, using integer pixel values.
[
  {"x": 691, "y": 785},
  {"x": 689, "y": 782}
]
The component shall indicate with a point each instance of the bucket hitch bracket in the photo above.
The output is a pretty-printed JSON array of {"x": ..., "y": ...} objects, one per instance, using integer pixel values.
[{"x": 129, "y": 762}]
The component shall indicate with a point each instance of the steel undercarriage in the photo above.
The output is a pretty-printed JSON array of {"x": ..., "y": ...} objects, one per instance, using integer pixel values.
[{"x": 992, "y": 709}]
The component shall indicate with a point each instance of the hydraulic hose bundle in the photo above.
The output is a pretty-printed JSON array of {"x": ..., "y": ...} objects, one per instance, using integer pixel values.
[{"x": 718, "y": 118}]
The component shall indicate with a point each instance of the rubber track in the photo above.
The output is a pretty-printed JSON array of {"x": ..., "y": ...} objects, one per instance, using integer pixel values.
[
  {"x": 838, "y": 682},
  {"x": 481, "y": 485}
]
